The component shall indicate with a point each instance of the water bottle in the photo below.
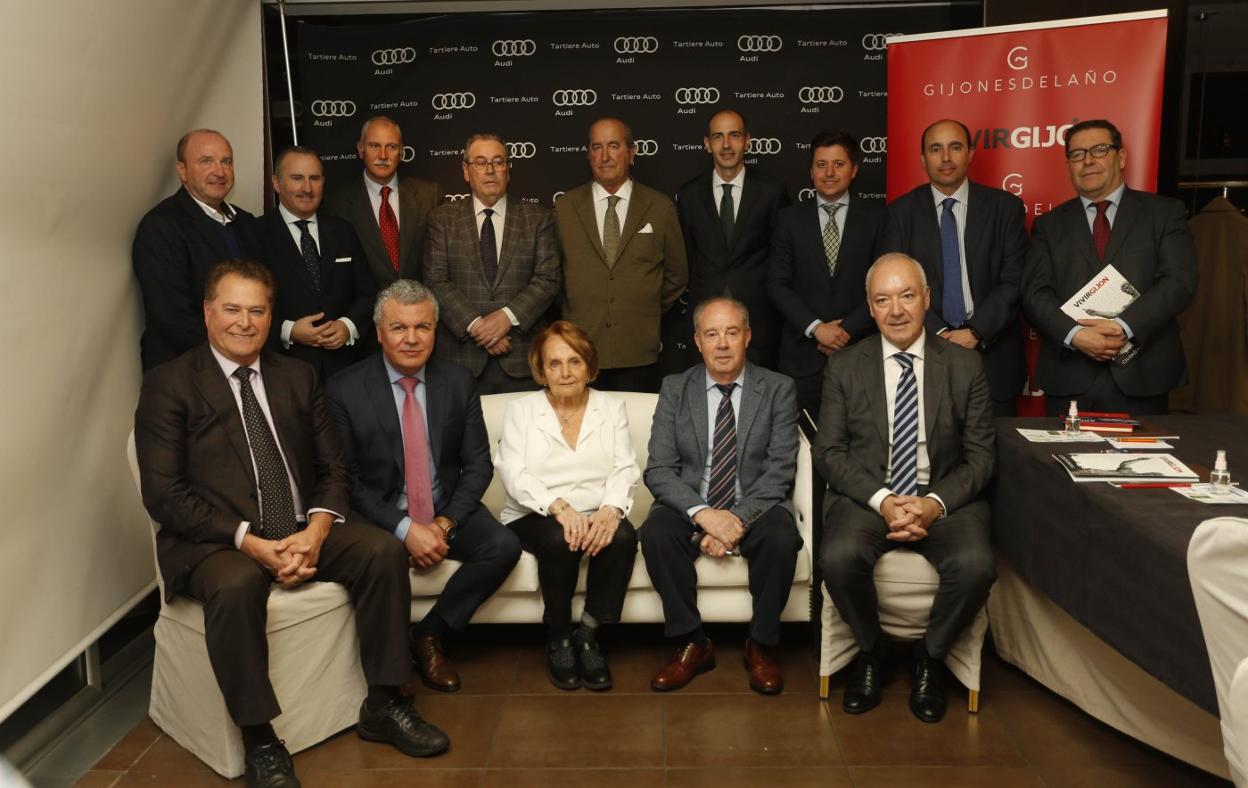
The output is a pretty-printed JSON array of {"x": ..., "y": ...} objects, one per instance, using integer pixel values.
[
  {"x": 1220, "y": 477},
  {"x": 1072, "y": 419}
]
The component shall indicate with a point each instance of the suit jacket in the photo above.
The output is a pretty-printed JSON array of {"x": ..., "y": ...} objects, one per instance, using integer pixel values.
[
  {"x": 803, "y": 291},
  {"x": 995, "y": 238},
  {"x": 852, "y": 447},
  {"x": 737, "y": 266},
  {"x": 175, "y": 247},
  {"x": 526, "y": 283},
  {"x": 619, "y": 306},
  {"x": 346, "y": 290},
  {"x": 1151, "y": 246},
  {"x": 766, "y": 442},
  {"x": 416, "y": 199},
  {"x": 363, "y": 408},
  {"x": 195, "y": 464}
]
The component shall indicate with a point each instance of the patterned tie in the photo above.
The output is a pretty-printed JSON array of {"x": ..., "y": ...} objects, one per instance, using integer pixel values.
[
  {"x": 311, "y": 257},
  {"x": 952, "y": 302},
  {"x": 389, "y": 226},
  {"x": 905, "y": 477},
  {"x": 1100, "y": 228},
  {"x": 721, "y": 493},
  {"x": 611, "y": 231},
  {"x": 416, "y": 457},
  {"x": 831, "y": 237},
  {"x": 489, "y": 248},
  {"x": 727, "y": 212},
  {"x": 277, "y": 507}
]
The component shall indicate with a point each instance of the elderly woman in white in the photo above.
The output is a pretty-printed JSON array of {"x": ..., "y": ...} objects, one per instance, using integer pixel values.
[{"x": 569, "y": 470}]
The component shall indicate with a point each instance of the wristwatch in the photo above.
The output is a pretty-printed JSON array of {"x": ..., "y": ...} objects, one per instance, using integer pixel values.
[{"x": 447, "y": 525}]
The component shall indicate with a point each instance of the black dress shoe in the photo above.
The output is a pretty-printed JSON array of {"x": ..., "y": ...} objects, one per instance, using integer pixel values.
[
  {"x": 928, "y": 697},
  {"x": 561, "y": 662},
  {"x": 866, "y": 684},
  {"x": 595, "y": 674},
  {"x": 269, "y": 766},
  {"x": 399, "y": 724}
]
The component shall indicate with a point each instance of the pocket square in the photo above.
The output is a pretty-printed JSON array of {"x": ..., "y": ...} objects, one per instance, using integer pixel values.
[
  {"x": 646, "y": 229},
  {"x": 342, "y": 259}
]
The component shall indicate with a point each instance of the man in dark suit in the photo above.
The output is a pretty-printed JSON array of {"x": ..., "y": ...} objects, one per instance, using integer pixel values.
[
  {"x": 819, "y": 257},
  {"x": 623, "y": 265},
  {"x": 728, "y": 216},
  {"x": 907, "y": 444},
  {"x": 181, "y": 239},
  {"x": 972, "y": 241},
  {"x": 493, "y": 263},
  {"x": 420, "y": 457},
  {"x": 242, "y": 467},
  {"x": 388, "y": 212},
  {"x": 1146, "y": 238},
  {"x": 723, "y": 454},
  {"x": 324, "y": 291}
]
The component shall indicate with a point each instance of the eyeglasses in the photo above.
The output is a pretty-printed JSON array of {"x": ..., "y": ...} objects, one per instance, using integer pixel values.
[
  {"x": 481, "y": 165},
  {"x": 1096, "y": 151}
]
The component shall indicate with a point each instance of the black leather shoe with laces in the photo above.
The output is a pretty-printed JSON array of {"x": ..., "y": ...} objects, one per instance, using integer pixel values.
[
  {"x": 561, "y": 661},
  {"x": 399, "y": 724},
  {"x": 595, "y": 674},
  {"x": 269, "y": 766}
]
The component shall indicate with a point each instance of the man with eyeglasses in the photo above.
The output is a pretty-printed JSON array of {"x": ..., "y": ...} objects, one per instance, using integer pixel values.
[
  {"x": 388, "y": 211},
  {"x": 493, "y": 263},
  {"x": 1145, "y": 237}
]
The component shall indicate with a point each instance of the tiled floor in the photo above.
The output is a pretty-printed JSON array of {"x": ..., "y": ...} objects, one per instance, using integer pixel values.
[{"x": 510, "y": 727}]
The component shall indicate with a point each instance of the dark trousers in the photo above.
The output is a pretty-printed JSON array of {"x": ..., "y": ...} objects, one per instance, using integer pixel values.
[
  {"x": 488, "y": 551},
  {"x": 1104, "y": 395},
  {"x": 234, "y": 590},
  {"x": 495, "y": 380},
  {"x": 809, "y": 395},
  {"x": 644, "y": 379},
  {"x": 957, "y": 546},
  {"x": 558, "y": 569},
  {"x": 770, "y": 548}
]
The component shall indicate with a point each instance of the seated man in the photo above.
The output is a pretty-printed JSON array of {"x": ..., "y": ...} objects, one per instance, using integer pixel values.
[
  {"x": 906, "y": 443},
  {"x": 250, "y": 490},
  {"x": 420, "y": 457},
  {"x": 721, "y": 489}
]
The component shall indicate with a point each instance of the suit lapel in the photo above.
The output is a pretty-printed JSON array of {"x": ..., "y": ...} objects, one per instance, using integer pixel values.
[
  {"x": 512, "y": 231},
  {"x": 436, "y": 409},
  {"x": 583, "y": 204},
  {"x": 1128, "y": 211},
  {"x": 407, "y": 222},
  {"x": 935, "y": 371},
  {"x": 973, "y": 235},
  {"x": 926, "y": 226},
  {"x": 1076, "y": 226},
  {"x": 377, "y": 388},
  {"x": 291, "y": 251},
  {"x": 592, "y": 420},
  {"x": 216, "y": 391},
  {"x": 277, "y": 391},
  {"x": 750, "y": 197},
  {"x": 638, "y": 207},
  {"x": 360, "y": 214},
  {"x": 695, "y": 395},
  {"x": 465, "y": 229},
  {"x": 751, "y": 398},
  {"x": 873, "y": 371},
  {"x": 710, "y": 210}
]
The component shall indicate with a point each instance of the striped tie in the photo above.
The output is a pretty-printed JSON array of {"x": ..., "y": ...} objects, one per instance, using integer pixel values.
[
  {"x": 721, "y": 493},
  {"x": 905, "y": 477}
]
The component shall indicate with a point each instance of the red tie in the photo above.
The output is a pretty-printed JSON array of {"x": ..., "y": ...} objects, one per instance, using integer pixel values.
[
  {"x": 1100, "y": 229},
  {"x": 416, "y": 457},
  {"x": 389, "y": 227}
]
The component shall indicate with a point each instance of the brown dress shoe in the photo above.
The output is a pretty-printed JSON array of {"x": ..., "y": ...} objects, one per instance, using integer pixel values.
[
  {"x": 690, "y": 660},
  {"x": 765, "y": 675},
  {"x": 435, "y": 669}
]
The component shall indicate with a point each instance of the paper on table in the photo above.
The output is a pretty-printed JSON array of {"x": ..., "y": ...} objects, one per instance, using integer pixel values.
[
  {"x": 1205, "y": 494},
  {"x": 1125, "y": 467},
  {"x": 1137, "y": 444},
  {"x": 1059, "y": 436}
]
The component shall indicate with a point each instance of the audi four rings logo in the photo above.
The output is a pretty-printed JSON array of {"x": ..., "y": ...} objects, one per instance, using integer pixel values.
[
  {"x": 763, "y": 145},
  {"x": 333, "y": 109},
  {"x": 759, "y": 43},
  {"x": 555, "y": 196},
  {"x": 697, "y": 95},
  {"x": 876, "y": 41},
  {"x": 821, "y": 94},
  {"x": 646, "y": 147},
  {"x": 516, "y": 47},
  {"x": 457, "y": 197},
  {"x": 574, "y": 98},
  {"x": 445, "y": 101},
  {"x": 873, "y": 145},
  {"x": 409, "y": 153},
  {"x": 805, "y": 194},
  {"x": 391, "y": 57},
  {"x": 521, "y": 150},
  {"x": 636, "y": 45}
]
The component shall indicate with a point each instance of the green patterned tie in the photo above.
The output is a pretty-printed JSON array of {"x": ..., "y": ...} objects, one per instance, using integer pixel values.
[
  {"x": 831, "y": 237},
  {"x": 611, "y": 230}
]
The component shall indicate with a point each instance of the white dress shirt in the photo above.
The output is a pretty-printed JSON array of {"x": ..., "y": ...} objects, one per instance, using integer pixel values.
[
  {"x": 717, "y": 191},
  {"x": 839, "y": 215},
  {"x": 959, "y": 213},
  {"x": 223, "y": 216},
  {"x": 713, "y": 398},
  {"x": 297, "y": 235},
  {"x": 374, "y": 197},
  {"x": 498, "y": 219},
  {"x": 625, "y": 192}
]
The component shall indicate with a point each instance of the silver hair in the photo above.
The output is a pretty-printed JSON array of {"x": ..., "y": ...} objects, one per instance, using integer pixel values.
[
  {"x": 387, "y": 119},
  {"x": 884, "y": 258},
  {"x": 405, "y": 291},
  {"x": 482, "y": 137},
  {"x": 740, "y": 307}
]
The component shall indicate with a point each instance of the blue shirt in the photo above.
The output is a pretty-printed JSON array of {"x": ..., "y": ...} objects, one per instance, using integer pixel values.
[{"x": 399, "y": 396}]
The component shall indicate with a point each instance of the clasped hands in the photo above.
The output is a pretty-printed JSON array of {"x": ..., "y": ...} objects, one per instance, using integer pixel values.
[
  {"x": 491, "y": 332},
  {"x": 331, "y": 335},
  {"x": 426, "y": 542},
  {"x": 1099, "y": 339},
  {"x": 591, "y": 533},
  {"x": 723, "y": 531},
  {"x": 830, "y": 337},
  {"x": 909, "y": 517},
  {"x": 292, "y": 560}
]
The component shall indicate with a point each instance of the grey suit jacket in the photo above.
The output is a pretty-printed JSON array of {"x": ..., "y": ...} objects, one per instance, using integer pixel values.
[
  {"x": 766, "y": 442},
  {"x": 527, "y": 281},
  {"x": 416, "y": 199}
]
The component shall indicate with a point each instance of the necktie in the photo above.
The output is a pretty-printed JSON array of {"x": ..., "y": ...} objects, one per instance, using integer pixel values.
[
  {"x": 952, "y": 303},
  {"x": 611, "y": 231},
  {"x": 311, "y": 257},
  {"x": 489, "y": 248},
  {"x": 831, "y": 237},
  {"x": 721, "y": 493},
  {"x": 277, "y": 506},
  {"x": 389, "y": 226},
  {"x": 416, "y": 474},
  {"x": 905, "y": 478},
  {"x": 1100, "y": 228},
  {"x": 726, "y": 213}
]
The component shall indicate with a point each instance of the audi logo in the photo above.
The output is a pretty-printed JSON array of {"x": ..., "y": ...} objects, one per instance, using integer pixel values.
[
  {"x": 873, "y": 145},
  {"x": 636, "y": 45},
  {"x": 555, "y": 196},
  {"x": 646, "y": 147},
  {"x": 574, "y": 98},
  {"x": 759, "y": 43},
  {"x": 521, "y": 150},
  {"x": 697, "y": 95},
  {"x": 391, "y": 57},
  {"x": 517, "y": 47},
  {"x": 876, "y": 41},
  {"x": 445, "y": 101},
  {"x": 409, "y": 153},
  {"x": 333, "y": 109},
  {"x": 821, "y": 94},
  {"x": 805, "y": 194},
  {"x": 763, "y": 146},
  {"x": 457, "y": 197}
]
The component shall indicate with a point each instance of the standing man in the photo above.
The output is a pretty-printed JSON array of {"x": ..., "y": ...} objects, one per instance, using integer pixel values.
[
  {"x": 623, "y": 261},
  {"x": 388, "y": 212},
  {"x": 972, "y": 242},
  {"x": 181, "y": 239},
  {"x": 493, "y": 264},
  {"x": 420, "y": 457},
  {"x": 240, "y": 464},
  {"x": 907, "y": 444},
  {"x": 820, "y": 254},
  {"x": 728, "y": 218},
  {"x": 723, "y": 454},
  {"x": 324, "y": 291},
  {"x": 1146, "y": 238}
]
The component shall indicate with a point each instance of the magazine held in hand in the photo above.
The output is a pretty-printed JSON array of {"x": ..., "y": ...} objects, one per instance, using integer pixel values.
[{"x": 1105, "y": 296}]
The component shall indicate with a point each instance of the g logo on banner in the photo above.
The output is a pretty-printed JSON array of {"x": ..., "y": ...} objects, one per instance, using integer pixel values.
[
  {"x": 697, "y": 95},
  {"x": 409, "y": 153},
  {"x": 574, "y": 98},
  {"x": 518, "y": 47},
  {"x": 873, "y": 145},
  {"x": 646, "y": 147},
  {"x": 333, "y": 109},
  {"x": 876, "y": 41},
  {"x": 444, "y": 101},
  {"x": 805, "y": 194},
  {"x": 636, "y": 45},
  {"x": 1017, "y": 58},
  {"x": 457, "y": 197},
  {"x": 759, "y": 43},
  {"x": 521, "y": 150},
  {"x": 764, "y": 146},
  {"x": 1013, "y": 183},
  {"x": 821, "y": 94},
  {"x": 393, "y": 57}
]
